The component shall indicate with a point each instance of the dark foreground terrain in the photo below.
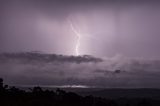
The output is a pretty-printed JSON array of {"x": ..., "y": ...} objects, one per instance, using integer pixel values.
[{"x": 11, "y": 96}]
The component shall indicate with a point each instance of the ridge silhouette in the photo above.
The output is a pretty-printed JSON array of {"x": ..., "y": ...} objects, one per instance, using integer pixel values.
[{"x": 12, "y": 96}]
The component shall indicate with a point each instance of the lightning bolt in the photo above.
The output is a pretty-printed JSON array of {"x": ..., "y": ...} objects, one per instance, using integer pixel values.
[{"x": 78, "y": 35}]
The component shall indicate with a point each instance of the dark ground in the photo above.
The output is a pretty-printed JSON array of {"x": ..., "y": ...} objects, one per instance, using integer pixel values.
[{"x": 12, "y": 96}]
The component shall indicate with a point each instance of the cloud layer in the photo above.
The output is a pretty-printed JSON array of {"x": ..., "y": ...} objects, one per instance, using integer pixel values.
[{"x": 58, "y": 70}]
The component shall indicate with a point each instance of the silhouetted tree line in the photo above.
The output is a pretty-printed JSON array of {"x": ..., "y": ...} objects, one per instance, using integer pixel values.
[{"x": 12, "y": 96}]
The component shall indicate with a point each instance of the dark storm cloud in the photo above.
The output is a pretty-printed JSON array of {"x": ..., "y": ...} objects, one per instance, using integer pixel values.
[
  {"x": 35, "y": 69},
  {"x": 40, "y": 57}
]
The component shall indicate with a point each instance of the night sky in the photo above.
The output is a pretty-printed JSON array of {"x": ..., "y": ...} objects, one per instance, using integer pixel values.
[
  {"x": 108, "y": 28},
  {"x": 124, "y": 33}
]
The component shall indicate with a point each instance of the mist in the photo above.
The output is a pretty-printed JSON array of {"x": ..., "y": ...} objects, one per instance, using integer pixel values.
[{"x": 30, "y": 69}]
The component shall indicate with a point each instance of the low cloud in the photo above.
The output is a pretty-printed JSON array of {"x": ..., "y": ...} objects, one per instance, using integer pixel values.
[{"x": 56, "y": 70}]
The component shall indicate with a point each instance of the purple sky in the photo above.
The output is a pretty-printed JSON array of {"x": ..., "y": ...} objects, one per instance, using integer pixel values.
[
  {"x": 124, "y": 33},
  {"x": 129, "y": 28}
]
